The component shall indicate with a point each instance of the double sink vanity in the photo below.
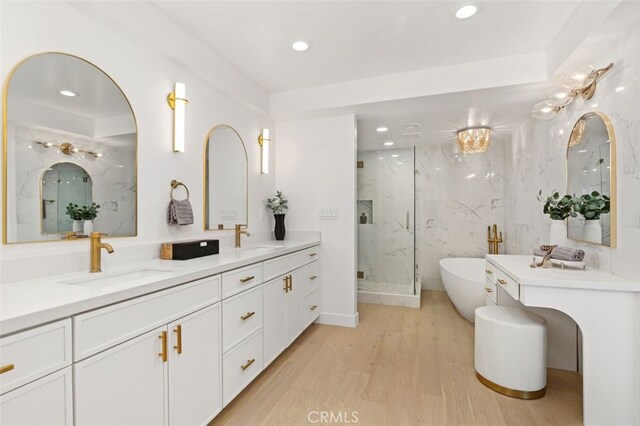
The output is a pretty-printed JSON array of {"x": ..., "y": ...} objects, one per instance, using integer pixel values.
[
  {"x": 606, "y": 307},
  {"x": 157, "y": 342}
]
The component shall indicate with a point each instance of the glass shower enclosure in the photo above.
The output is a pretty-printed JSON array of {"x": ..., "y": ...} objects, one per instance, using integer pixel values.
[{"x": 387, "y": 272}]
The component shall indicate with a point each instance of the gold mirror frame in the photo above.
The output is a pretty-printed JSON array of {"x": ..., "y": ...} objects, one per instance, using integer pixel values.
[
  {"x": 5, "y": 91},
  {"x": 613, "y": 197},
  {"x": 205, "y": 182}
]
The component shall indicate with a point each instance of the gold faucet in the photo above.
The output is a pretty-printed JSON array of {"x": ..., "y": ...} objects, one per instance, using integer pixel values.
[
  {"x": 239, "y": 232},
  {"x": 96, "y": 246},
  {"x": 493, "y": 240}
]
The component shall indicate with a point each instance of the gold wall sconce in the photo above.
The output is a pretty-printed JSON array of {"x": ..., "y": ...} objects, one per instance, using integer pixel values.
[
  {"x": 577, "y": 85},
  {"x": 474, "y": 140},
  {"x": 263, "y": 141},
  {"x": 68, "y": 149},
  {"x": 178, "y": 102}
]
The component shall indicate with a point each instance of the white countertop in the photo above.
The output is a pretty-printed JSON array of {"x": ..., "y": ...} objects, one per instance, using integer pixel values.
[
  {"x": 517, "y": 267},
  {"x": 26, "y": 304}
]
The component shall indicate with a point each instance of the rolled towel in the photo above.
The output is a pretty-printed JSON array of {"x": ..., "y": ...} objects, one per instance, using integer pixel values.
[
  {"x": 180, "y": 212},
  {"x": 539, "y": 252},
  {"x": 569, "y": 254}
]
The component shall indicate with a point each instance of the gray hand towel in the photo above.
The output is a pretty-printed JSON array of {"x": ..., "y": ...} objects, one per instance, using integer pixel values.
[
  {"x": 180, "y": 212},
  {"x": 568, "y": 253},
  {"x": 539, "y": 252}
]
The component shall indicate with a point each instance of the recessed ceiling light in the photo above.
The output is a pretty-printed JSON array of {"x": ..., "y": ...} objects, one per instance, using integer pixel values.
[
  {"x": 466, "y": 11},
  {"x": 389, "y": 143},
  {"x": 471, "y": 176},
  {"x": 300, "y": 46},
  {"x": 620, "y": 89},
  {"x": 382, "y": 129},
  {"x": 582, "y": 151},
  {"x": 380, "y": 158},
  {"x": 594, "y": 105},
  {"x": 395, "y": 156},
  {"x": 68, "y": 93},
  {"x": 411, "y": 126},
  {"x": 400, "y": 162}
]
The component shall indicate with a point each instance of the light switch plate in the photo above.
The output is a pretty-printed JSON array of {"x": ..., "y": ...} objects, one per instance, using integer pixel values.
[{"x": 329, "y": 214}]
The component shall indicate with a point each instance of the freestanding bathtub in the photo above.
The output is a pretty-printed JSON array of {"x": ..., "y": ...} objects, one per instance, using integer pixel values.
[{"x": 464, "y": 278}]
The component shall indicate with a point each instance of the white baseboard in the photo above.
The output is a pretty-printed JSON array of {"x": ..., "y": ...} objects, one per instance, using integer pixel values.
[{"x": 338, "y": 319}]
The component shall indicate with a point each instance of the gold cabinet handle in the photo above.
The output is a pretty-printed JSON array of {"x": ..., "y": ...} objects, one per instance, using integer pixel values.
[
  {"x": 6, "y": 368},
  {"x": 314, "y": 307},
  {"x": 489, "y": 272},
  {"x": 163, "y": 353},
  {"x": 247, "y": 316},
  {"x": 178, "y": 346},
  {"x": 286, "y": 284},
  {"x": 246, "y": 279},
  {"x": 313, "y": 277},
  {"x": 313, "y": 254},
  {"x": 501, "y": 281},
  {"x": 248, "y": 364},
  {"x": 488, "y": 290},
  {"x": 290, "y": 283}
]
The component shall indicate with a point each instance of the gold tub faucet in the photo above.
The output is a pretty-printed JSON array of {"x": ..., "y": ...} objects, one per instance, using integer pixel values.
[
  {"x": 494, "y": 240},
  {"x": 96, "y": 246}
]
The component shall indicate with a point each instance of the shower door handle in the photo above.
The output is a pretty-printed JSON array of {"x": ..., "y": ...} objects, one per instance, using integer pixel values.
[{"x": 408, "y": 219}]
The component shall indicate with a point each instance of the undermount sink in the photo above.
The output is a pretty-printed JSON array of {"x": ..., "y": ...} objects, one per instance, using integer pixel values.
[
  {"x": 106, "y": 279},
  {"x": 260, "y": 248}
]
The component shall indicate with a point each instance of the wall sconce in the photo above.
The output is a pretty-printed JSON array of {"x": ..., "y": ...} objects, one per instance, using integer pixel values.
[
  {"x": 178, "y": 102},
  {"x": 580, "y": 84},
  {"x": 263, "y": 141}
]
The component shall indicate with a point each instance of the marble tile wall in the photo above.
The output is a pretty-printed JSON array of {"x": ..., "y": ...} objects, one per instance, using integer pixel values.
[
  {"x": 536, "y": 160},
  {"x": 457, "y": 197},
  {"x": 386, "y": 246}
]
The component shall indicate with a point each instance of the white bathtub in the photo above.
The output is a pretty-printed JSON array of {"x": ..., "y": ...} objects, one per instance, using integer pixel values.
[{"x": 464, "y": 279}]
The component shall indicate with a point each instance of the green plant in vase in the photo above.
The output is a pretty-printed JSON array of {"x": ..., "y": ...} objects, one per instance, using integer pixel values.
[
  {"x": 75, "y": 213},
  {"x": 278, "y": 206},
  {"x": 89, "y": 213},
  {"x": 592, "y": 206},
  {"x": 558, "y": 208}
]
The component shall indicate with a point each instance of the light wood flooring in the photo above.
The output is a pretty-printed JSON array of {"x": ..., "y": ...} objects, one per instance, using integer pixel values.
[{"x": 400, "y": 366}]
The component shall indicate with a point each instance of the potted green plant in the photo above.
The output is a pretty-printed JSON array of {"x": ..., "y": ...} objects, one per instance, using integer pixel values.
[
  {"x": 75, "y": 213},
  {"x": 89, "y": 213},
  {"x": 278, "y": 206},
  {"x": 592, "y": 207},
  {"x": 558, "y": 208}
]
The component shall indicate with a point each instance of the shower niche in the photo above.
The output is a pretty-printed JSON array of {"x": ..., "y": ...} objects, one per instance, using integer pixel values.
[{"x": 365, "y": 212}]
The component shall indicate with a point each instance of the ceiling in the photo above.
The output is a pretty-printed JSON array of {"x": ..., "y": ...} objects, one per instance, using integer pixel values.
[{"x": 355, "y": 40}]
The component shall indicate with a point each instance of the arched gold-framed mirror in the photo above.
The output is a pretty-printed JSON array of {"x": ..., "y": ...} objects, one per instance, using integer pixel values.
[
  {"x": 59, "y": 107},
  {"x": 591, "y": 178},
  {"x": 226, "y": 179}
]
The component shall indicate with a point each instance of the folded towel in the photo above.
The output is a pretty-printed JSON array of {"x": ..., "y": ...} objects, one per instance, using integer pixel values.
[
  {"x": 569, "y": 254},
  {"x": 180, "y": 212}
]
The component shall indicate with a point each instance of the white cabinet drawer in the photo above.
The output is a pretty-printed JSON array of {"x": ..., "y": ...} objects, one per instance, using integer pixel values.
[
  {"x": 311, "y": 276},
  {"x": 103, "y": 328},
  {"x": 47, "y": 401},
  {"x": 281, "y": 265},
  {"x": 241, "y": 279},
  {"x": 508, "y": 284},
  {"x": 490, "y": 270},
  {"x": 311, "y": 307},
  {"x": 309, "y": 255},
  {"x": 240, "y": 366},
  {"x": 241, "y": 316},
  {"x": 31, "y": 354},
  {"x": 491, "y": 290}
]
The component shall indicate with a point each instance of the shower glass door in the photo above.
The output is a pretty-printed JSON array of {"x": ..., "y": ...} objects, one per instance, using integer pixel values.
[{"x": 386, "y": 221}]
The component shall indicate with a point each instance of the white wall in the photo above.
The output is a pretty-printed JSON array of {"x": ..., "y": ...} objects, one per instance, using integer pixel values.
[
  {"x": 146, "y": 77},
  {"x": 316, "y": 169}
]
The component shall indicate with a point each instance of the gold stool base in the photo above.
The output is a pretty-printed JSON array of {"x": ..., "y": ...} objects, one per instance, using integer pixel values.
[{"x": 511, "y": 392}]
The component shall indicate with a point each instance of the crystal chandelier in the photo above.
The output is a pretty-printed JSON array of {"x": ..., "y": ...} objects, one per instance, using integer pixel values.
[
  {"x": 577, "y": 84},
  {"x": 474, "y": 140}
]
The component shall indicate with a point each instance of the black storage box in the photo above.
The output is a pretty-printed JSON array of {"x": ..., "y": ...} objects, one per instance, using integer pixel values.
[{"x": 189, "y": 249}]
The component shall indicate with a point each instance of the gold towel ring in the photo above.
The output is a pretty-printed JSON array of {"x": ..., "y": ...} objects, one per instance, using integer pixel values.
[{"x": 175, "y": 184}]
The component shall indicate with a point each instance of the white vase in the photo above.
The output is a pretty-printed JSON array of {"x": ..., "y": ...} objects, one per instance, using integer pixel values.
[
  {"x": 592, "y": 231},
  {"x": 88, "y": 227},
  {"x": 77, "y": 225},
  {"x": 558, "y": 233}
]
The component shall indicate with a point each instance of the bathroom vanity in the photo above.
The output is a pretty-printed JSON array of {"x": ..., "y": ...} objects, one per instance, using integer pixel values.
[
  {"x": 606, "y": 307},
  {"x": 159, "y": 342}
]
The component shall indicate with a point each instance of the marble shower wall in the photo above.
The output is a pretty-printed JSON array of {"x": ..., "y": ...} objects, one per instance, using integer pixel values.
[
  {"x": 457, "y": 197},
  {"x": 536, "y": 160},
  {"x": 386, "y": 195}
]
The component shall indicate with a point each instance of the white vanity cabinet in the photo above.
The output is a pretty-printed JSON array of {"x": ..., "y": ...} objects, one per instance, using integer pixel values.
[
  {"x": 35, "y": 376},
  {"x": 169, "y": 374}
]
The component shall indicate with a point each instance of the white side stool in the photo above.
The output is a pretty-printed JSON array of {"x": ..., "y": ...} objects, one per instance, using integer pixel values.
[{"x": 511, "y": 351}]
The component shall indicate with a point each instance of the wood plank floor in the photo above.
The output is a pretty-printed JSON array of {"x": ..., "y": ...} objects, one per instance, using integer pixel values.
[{"x": 400, "y": 366}]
